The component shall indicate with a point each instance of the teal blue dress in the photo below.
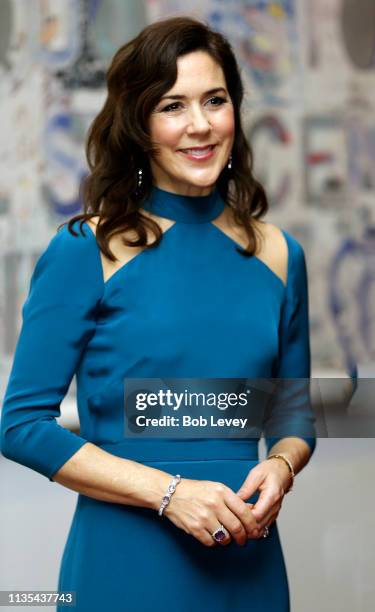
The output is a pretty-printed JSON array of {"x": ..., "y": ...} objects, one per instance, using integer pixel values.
[{"x": 191, "y": 307}]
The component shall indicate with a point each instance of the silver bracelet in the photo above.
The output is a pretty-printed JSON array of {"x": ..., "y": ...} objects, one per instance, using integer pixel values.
[{"x": 170, "y": 490}]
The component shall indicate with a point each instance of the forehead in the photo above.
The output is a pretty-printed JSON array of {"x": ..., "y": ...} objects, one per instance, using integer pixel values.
[{"x": 197, "y": 71}]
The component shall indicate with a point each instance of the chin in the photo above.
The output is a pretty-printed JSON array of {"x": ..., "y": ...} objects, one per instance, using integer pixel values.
[{"x": 204, "y": 181}]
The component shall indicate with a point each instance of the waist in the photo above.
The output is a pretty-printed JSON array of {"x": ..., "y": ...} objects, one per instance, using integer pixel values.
[{"x": 184, "y": 450}]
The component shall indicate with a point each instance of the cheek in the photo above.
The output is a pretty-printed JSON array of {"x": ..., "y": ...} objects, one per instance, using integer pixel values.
[
  {"x": 224, "y": 123},
  {"x": 166, "y": 133}
]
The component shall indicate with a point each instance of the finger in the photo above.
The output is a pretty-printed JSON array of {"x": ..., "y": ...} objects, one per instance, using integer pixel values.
[
  {"x": 241, "y": 510},
  {"x": 204, "y": 537},
  {"x": 217, "y": 525},
  {"x": 234, "y": 525},
  {"x": 250, "y": 485},
  {"x": 264, "y": 503},
  {"x": 268, "y": 524},
  {"x": 268, "y": 520}
]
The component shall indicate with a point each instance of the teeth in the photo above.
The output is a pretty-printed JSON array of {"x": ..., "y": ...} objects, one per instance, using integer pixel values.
[{"x": 198, "y": 152}]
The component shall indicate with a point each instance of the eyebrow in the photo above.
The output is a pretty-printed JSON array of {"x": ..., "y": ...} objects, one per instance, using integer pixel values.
[{"x": 179, "y": 97}]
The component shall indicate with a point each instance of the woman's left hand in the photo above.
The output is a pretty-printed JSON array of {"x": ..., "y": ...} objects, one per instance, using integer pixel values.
[{"x": 272, "y": 478}]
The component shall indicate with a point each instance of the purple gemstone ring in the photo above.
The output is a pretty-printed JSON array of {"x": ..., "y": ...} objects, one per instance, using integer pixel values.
[{"x": 220, "y": 534}]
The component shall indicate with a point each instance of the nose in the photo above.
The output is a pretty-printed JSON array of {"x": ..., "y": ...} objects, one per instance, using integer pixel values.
[{"x": 198, "y": 121}]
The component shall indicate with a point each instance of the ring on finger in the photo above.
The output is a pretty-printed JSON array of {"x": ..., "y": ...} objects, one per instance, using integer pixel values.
[{"x": 220, "y": 534}]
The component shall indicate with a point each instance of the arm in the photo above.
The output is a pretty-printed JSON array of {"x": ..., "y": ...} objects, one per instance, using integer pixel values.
[
  {"x": 96, "y": 473},
  {"x": 289, "y": 426},
  {"x": 289, "y": 422},
  {"x": 58, "y": 320}
]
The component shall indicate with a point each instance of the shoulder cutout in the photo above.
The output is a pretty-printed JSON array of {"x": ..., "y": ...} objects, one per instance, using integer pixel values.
[
  {"x": 124, "y": 253},
  {"x": 272, "y": 247},
  {"x": 273, "y": 250}
]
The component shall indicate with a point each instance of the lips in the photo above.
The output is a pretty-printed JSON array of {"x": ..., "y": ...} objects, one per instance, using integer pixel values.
[{"x": 198, "y": 153}]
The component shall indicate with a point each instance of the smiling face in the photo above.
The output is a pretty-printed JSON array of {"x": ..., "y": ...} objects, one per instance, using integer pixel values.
[{"x": 195, "y": 114}]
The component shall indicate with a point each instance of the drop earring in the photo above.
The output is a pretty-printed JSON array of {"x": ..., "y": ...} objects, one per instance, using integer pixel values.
[
  {"x": 138, "y": 190},
  {"x": 140, "y": 179},
  {"x": 229, "y": 165}
]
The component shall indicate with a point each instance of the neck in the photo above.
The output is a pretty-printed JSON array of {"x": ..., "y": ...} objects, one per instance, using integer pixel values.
[
  {"x": 185, "y": 208},
  {"x": 186, "y": 189}
]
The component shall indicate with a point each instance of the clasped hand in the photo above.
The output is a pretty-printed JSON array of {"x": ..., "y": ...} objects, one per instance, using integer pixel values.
[{"x": 199, "y": 507}]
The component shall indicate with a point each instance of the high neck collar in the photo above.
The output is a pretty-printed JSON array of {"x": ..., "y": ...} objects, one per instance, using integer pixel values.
[{"x": 182, "y": 208}]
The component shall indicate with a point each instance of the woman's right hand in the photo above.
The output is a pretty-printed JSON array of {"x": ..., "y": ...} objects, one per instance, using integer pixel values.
[{"x": 199, "y": 507}]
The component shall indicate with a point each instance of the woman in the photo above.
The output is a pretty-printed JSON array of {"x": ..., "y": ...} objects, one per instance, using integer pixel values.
[{"x": 173, "y": 275}]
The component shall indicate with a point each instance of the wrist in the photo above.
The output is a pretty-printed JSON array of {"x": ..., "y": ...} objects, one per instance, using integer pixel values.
[
  {"x": 156, "y": 489},
  {"x": 285, "y": 468},
  {"x": 171, "y": 489},
  {"x": 280, "y": 466}
]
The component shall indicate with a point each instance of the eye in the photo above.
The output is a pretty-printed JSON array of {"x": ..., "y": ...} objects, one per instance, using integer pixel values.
[
  {"x": 219, "y": 99},
  {"x": 168, "y": 108}
]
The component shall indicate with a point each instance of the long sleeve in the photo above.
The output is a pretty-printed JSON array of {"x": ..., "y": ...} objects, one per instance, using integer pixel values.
[
  {"x": 290, "y": 412},
  {"x": 58, "y": 320}
]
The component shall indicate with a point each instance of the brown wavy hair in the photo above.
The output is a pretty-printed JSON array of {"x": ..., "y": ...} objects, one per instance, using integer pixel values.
[{"x": 118, "y": 141}]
